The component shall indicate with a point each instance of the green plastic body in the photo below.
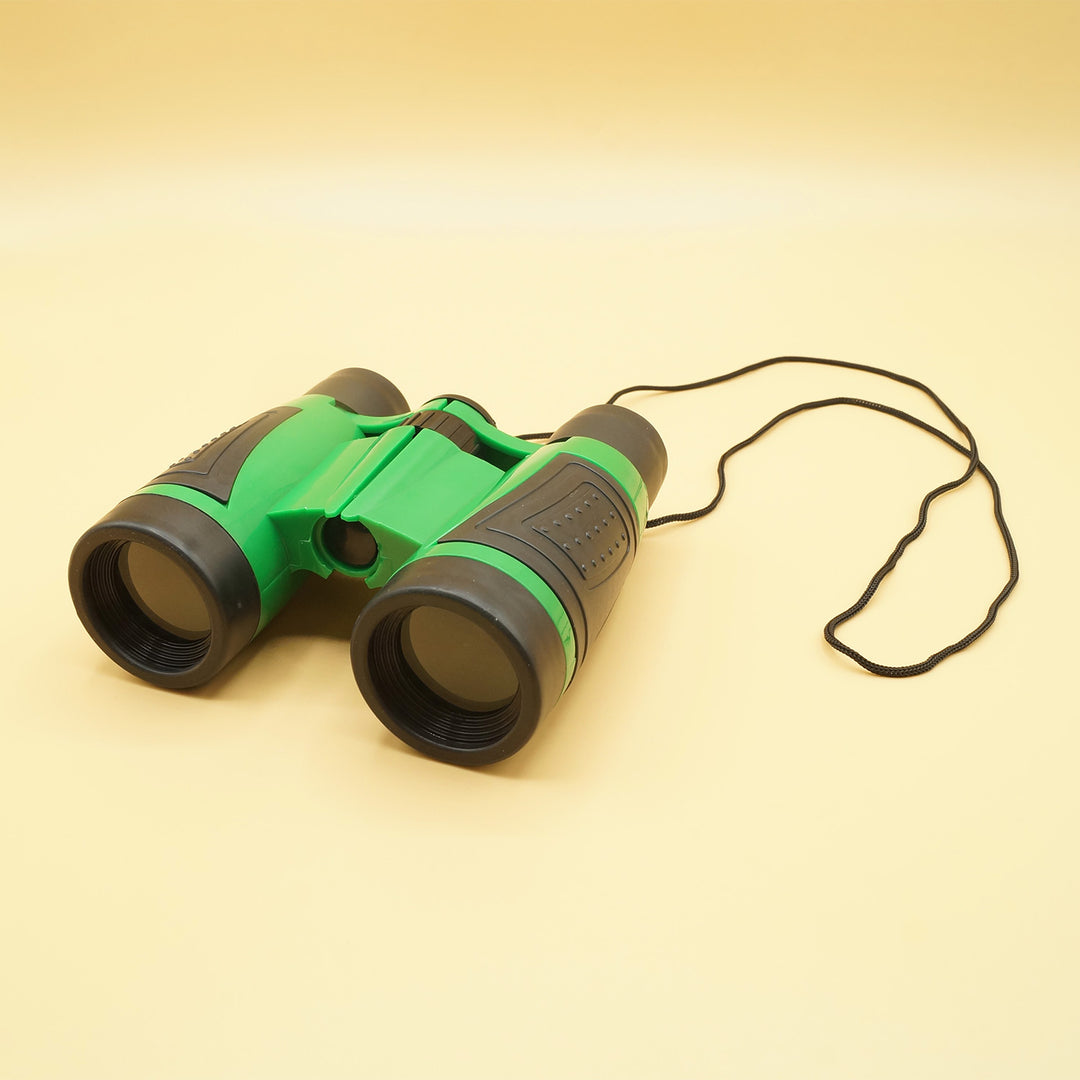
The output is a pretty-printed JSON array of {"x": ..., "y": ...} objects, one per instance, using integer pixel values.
[{"x": 410, "y": 487}]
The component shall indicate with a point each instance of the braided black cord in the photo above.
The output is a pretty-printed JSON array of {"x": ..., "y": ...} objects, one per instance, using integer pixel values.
[{"x": 974, "y": 465}]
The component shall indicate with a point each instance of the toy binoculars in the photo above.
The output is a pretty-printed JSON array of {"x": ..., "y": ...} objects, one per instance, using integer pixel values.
[{"x": 496, "y": 559}]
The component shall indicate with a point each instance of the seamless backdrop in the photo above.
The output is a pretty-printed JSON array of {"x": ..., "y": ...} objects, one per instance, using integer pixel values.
[{"x": 730, "y": 852}]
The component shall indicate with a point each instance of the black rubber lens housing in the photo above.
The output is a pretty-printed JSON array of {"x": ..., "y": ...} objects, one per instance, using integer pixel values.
[
  {"x": 364, "y": 392},
  {"x": 164, "y": 590},
  {"x": 629, "y": 433},
  {"x": 446, "y": 714}
]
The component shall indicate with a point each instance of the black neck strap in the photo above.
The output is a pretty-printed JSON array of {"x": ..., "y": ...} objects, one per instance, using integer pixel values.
[{"x": 974, "y": 464}]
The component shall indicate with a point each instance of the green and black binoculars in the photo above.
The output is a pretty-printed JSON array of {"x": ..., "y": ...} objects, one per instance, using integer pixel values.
[{"x": 496, "y": 559}]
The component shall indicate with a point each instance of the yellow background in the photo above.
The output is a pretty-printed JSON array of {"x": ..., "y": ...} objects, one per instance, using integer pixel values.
[{"x": 729, "y": 852}]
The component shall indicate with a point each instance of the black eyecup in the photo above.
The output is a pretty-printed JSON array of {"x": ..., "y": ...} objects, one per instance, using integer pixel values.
[
  {"x": 629, "y": 433},
  {"x": 472, "y": 405},
  {"x": 488, "y": 598},
  {"x": 216, "y": 565},
  {"x": 364, "y": 392}
]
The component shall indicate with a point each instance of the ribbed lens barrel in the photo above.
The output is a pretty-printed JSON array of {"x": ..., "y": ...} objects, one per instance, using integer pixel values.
[
  {"x": 454, "y": 714},
  {"x": 136, "y": 615}
]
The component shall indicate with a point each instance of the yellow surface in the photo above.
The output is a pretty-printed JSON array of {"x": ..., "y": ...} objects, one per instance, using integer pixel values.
[{"x": 729, "y": 853}]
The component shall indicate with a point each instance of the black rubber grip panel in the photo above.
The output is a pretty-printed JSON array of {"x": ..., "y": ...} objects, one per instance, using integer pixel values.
[
  {"x": 572, "y": 526},
  {"x": 212, "y": 469}
]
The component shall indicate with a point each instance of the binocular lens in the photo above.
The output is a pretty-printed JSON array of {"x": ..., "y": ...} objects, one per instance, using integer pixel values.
[
  {"x": 147, "y": 605},
  {"x": 457, "y": 660},
  {"x": 163, "y": 591},
  {"x": 465, "y": 698}
]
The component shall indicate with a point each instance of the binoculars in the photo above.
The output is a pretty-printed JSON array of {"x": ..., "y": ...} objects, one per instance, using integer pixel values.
[{"x": 496, "y": 560}]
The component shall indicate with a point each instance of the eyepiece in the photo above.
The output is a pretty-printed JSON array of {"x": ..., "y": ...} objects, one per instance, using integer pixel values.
[
  {"x": 629, "y": 433},
  {"x": 458, "y": 659},
  {"x": 164, "y": 590},
  {"x": 364, "y": 392}
]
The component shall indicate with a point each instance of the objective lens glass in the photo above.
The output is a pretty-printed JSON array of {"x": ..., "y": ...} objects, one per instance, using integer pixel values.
[
  {"x": 457, "y": 659},
  {"x": 164, "y": 591}
]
